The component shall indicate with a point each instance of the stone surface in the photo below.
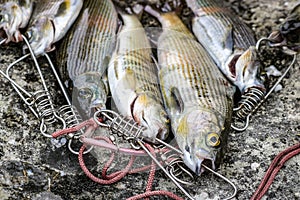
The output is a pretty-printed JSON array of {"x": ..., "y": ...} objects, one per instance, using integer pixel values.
[{"x": 31, "y": 167}]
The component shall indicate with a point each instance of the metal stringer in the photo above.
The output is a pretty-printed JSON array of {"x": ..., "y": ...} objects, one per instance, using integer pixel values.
[
  {"x": 132, "y": 132},
  {"x": 254, "y": 98},
  {"x": 40, "y": 101}
]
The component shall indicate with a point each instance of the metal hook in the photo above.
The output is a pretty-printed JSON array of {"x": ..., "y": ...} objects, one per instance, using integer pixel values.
[
  {"x": 254, "y": 108},
  {"x": 172, "y": 165},
  {"x": 39, "y": 102},
  {"x": 128, "y": 129},
  {"x": 258, "y": 43},
  {"x": 253, "y": 99},
  {"x": 77, "y": 152},
  {"x": 164, "y": 170},
  {"x": 225, "y": 179},
  {"x": 2, "y": 41},
  {"x": 68, "y": 112}
]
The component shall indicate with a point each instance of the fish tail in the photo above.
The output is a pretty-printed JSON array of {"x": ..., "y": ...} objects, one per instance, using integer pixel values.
[
  {"x": 154, "y": 12},
  {"x": 176, "y": 7}
]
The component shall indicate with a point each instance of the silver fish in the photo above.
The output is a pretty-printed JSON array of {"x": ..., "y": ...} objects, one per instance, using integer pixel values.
[
  {"x": 197, "y": 96},
  {"x": 14, "y": 15},
  {"x": 229, "y": 42},
  {"x": 86, "y": 51},
  {"x": 50, "y": 22},
  {"x": 133, "y": 80}
]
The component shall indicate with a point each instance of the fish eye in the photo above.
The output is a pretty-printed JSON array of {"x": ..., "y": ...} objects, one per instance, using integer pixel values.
[
  {"x": 213, "y": 139},
  {"x": 85, "y": 93}
]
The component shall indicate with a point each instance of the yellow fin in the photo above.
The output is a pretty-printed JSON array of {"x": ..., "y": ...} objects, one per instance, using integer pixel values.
[
  {"x": 142, "y": 99},
  {"x": 183, "y": 128}
]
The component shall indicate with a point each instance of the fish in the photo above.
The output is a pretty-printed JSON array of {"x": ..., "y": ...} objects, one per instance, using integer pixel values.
[
  {"x": 133, "y": 80},
  {"x": 229, "y": 41},
  {"x": 50, "y": 22},
  {"x": 14, "y": 15},
  {"x": 288, "y": 35},
  {"x": 197, "y": 97},
  {"x": 84, "y": 54}
]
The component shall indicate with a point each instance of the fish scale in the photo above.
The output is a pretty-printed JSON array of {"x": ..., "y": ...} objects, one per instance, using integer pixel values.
[
  {"x": 92, "y": 42},
  {"x": 200, "y": 85},
  {"x": 221, "y": 18},
  {"x": 85, "y": 52},
  {"x": 133, "y": 80},
  {"x": 229, "y": 41},
  {"x": 46, "y": 7},
  {"x": 197, "y": 96}
]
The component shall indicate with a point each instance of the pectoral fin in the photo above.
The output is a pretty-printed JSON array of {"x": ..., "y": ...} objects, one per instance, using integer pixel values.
[{"x": 176, "y": 102}]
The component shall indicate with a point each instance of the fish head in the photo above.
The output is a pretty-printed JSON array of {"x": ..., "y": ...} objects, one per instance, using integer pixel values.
[
  {"x": 89, "y": 93},
  {"x": 10, "y": 21},
  {"x": 247, "y": 70},
  {"x": 41, "y": 35},
  {"x": 149, "y": 112},
  {"x": 200, "y": 136}
]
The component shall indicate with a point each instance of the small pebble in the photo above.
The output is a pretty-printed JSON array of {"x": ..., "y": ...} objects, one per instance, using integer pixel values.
[
  {"x": 272, "y": 71},
  {"x": 254, "y": 166},
  {"x": 278, "y": 88},
  {"x": 202, "y": 195}
]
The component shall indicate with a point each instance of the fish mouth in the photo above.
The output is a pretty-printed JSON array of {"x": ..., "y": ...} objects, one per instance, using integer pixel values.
[
  {"x": 195, "y": 163},
  {"x": 232, "y": 65},
  {"x": 199, "y": 169}
]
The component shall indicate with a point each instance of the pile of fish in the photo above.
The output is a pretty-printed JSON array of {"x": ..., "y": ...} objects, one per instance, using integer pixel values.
[{"x": 186, "y": 91}]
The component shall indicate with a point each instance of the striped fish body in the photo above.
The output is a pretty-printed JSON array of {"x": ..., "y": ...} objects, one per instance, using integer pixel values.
[
  {"x": 133, "y": 80},
  {"x": 197, "y": 97},
  {"x": 14, "y": 15},
  {"x": 85, "y": 52},
  {"x": 50, "y": 22},
  {"x": 228, "y": 41}
]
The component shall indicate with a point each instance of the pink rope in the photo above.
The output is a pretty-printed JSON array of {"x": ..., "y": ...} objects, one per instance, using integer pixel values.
[
  {"x": 90, "y": 122},
  {"x": 273, "y": 169},
  {"x": 156, "y": 193},
  {"x": 116, "y": 176}
]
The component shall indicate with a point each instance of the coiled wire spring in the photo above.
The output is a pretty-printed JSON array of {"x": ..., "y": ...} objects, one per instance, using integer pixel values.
[
  {"x": 70, "y": 114},
  {"x": 132, "y": 132},
  {"x": 129, "y": 130},
  {"x": 254, "y": 97},
  {"x": 45, "y": 110}
]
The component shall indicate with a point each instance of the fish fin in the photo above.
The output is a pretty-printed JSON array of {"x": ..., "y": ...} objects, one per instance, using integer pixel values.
[
  {"x": 175, "y": 6},
  {"x": 129, "y": 80},
  {"x": 138, "y": 10},
  {"x": 153, "y": 11},
  {"x": 176, "y": 101},
  {"x": 183, "y": 128}
]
